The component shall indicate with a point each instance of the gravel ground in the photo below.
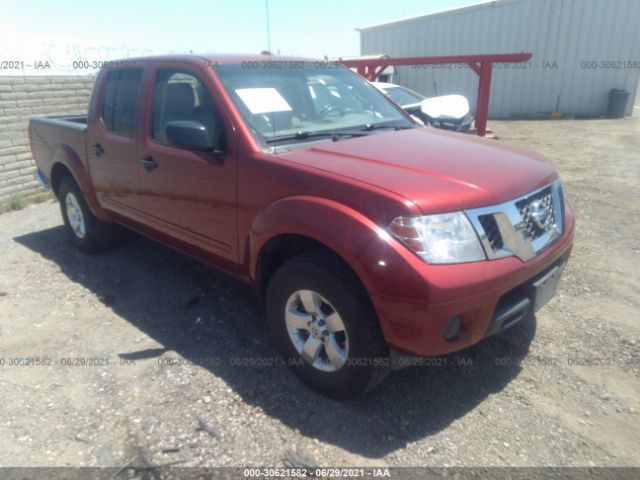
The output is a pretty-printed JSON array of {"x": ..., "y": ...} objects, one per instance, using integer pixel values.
[{"x": 143, "y": 350}]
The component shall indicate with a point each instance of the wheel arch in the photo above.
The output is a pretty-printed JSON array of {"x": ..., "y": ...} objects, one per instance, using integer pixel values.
[
  {"x": 294, "y": 225},
  {"x": 281, "y": 248},
  {"x": 66, "y": 162},
  {"x": 58, "y": 172}
]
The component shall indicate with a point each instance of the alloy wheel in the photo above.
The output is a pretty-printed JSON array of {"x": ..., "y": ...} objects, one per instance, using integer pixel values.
[{"x": 316, "y": 330}]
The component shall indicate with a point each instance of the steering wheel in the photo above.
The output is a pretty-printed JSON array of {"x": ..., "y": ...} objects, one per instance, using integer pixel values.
[{"x": 330, "y": 109}]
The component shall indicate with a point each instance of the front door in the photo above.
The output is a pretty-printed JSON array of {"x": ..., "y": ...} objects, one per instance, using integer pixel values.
[{"x": 190, "y": 195}]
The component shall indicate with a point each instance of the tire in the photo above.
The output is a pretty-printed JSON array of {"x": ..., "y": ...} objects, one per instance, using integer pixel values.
[
  {"x": 87, "y": 233},
  {"x": 313, "y": 287}
]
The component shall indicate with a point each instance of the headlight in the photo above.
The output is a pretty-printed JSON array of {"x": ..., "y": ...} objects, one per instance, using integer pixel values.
[{"x": 442, "y": 238}]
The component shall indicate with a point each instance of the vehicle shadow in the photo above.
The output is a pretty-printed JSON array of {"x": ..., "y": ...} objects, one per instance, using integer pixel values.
[{"x": 208, "y": 318}]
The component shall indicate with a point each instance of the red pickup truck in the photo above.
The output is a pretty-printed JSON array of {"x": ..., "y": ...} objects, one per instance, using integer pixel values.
[{"x": 369, "y": 236}]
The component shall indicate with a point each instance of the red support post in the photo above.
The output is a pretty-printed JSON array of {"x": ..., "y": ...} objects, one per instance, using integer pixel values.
[
  {"x": 480, "y": 64},
  {"x": 482, "y": 104}
]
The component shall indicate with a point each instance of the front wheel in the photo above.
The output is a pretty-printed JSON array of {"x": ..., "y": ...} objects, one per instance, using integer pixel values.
[
  {"x": 323, "y": 323},
  {"x": 88, "y": 233}
]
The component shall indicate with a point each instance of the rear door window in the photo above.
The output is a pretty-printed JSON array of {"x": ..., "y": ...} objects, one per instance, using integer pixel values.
[{"x": 119, "y": 101}]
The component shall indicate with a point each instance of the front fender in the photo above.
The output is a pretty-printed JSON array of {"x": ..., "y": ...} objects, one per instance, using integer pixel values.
[
  {"x": 386, "y": 268},
  {"x": 67, "y": 156},
  {"x": 342, "y": 229}
]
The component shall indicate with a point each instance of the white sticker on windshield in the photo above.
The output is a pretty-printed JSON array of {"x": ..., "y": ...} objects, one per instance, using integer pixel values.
[{"x": 263, "y": 100}]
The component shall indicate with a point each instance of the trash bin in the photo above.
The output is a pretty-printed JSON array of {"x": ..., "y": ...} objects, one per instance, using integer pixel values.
[{"x": 617, "y": 103}]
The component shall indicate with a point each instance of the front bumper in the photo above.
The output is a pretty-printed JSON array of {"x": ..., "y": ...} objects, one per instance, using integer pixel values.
[
  {"x": 415, "y": 301},
  {"x": 517, "y": 304}
]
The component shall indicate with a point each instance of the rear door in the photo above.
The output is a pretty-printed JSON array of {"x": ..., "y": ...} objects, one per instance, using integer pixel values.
[
  {"x": 190, "y": 195},
  {"x": 111, "y": 141}
]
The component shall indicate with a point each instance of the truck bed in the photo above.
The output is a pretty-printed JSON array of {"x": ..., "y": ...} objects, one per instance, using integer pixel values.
[
  {"x": 57, "y": 135},
  {"x": 76, "y": 122}
]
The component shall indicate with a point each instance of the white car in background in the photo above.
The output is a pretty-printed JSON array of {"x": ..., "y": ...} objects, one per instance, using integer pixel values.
[{"x": 450, "y": 112}]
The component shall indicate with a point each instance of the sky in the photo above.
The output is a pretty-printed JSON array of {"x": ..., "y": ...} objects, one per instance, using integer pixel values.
[{"x": 302, "y": 28}]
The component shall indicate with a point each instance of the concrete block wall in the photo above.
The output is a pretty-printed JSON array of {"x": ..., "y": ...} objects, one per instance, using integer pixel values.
[{"x": 20, "y": 99}]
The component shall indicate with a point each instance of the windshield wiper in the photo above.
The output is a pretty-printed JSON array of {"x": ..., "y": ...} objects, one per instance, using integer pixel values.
[
  {"x": 374, "y": 126},
  {"x": 335, "y": 135}
]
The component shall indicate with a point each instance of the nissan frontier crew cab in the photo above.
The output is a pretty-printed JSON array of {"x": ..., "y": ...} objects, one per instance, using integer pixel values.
[{"x": 367, "y": 235}]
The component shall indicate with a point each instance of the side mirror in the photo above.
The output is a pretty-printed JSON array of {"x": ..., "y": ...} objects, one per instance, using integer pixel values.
[{"x": 192, "y": 136}]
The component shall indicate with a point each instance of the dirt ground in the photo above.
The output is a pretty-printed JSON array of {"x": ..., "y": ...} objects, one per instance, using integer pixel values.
[{"x": 136, "y": 350}]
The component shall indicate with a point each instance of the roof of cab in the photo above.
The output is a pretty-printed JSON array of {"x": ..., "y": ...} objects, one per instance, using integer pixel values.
[{"x": 217, "y": 58}]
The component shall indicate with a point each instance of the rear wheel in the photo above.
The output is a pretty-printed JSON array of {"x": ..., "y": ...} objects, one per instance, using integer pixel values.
[
  {"x": 322, "y": 321},
  {"x": 88, "y": 233}
]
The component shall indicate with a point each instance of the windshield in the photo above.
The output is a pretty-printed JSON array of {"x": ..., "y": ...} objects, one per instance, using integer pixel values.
[
  {"x": 290, "y": 104},
  {"x": 403, "y": 96}
]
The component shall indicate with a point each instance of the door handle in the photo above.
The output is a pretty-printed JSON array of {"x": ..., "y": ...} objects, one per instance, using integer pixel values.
[
  {"x": 98, "y": 150},
  {"x": 148, "y": 163}
]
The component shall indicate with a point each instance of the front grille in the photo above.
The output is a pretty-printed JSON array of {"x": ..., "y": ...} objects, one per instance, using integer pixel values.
[
  {"x": 490, "y": 226},
  {"x": 523, "y": 227},
  {"x": 541, "y": 204}
]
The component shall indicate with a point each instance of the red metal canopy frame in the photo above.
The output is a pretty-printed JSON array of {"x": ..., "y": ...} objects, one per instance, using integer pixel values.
[{"x": 481, "y": 64}]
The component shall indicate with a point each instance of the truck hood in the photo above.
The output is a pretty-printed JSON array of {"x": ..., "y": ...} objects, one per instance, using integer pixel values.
[{"x": 439, "y": 171}]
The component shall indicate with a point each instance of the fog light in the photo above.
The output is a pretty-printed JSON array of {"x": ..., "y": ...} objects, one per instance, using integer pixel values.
[{"x": 453, "y": 328}]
